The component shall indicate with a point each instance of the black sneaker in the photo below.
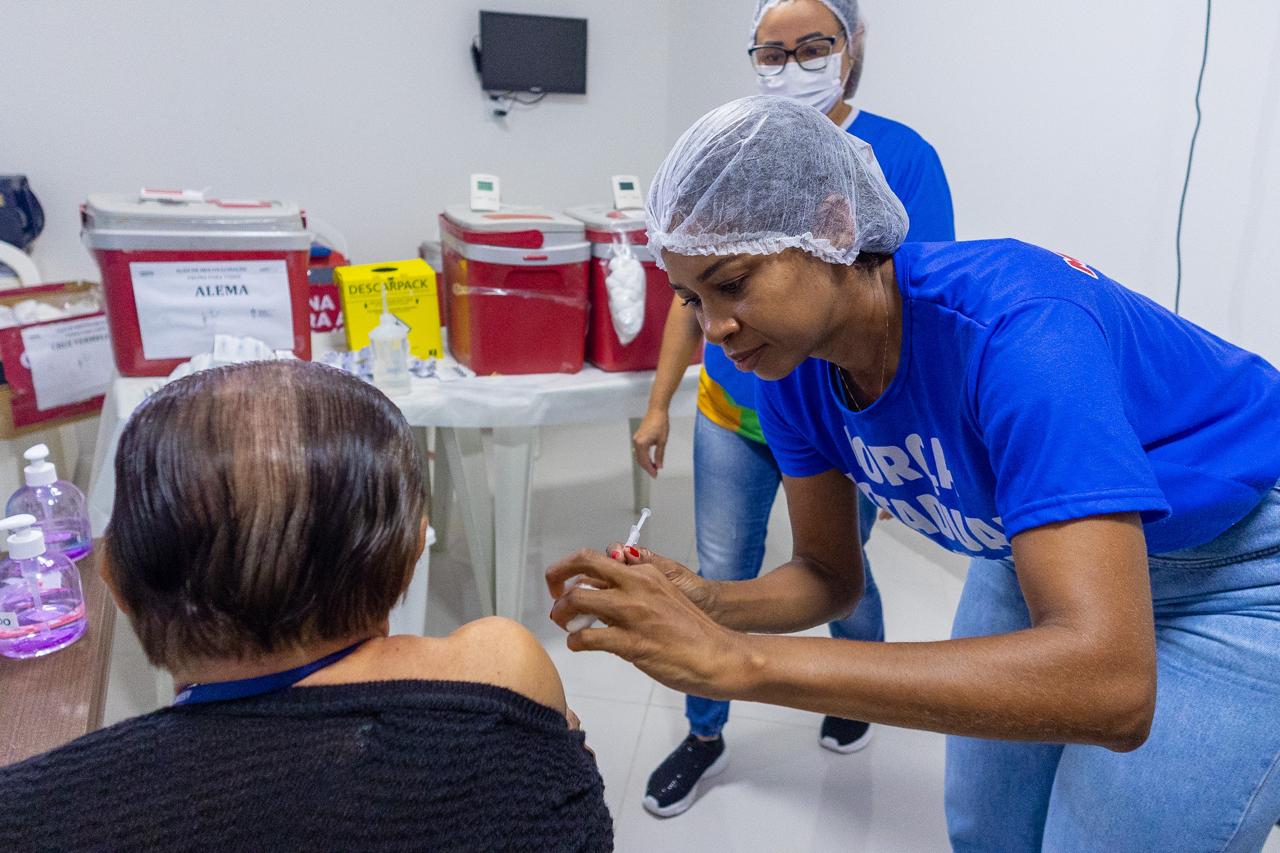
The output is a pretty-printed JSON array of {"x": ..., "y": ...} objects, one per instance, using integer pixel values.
[
  {"x": 674, "y": 785},
  {"x": 844, "y": 736}
]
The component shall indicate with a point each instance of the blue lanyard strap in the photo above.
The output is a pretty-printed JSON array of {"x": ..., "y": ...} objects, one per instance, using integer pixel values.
[{"x": 222, "y": 691}]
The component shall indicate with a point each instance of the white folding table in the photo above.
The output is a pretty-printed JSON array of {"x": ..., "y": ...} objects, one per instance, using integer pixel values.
[{"x": 496, "y": 520}]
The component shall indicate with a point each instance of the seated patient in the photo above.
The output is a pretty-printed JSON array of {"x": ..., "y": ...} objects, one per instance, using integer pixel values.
[{"x": 267, "y": 517}]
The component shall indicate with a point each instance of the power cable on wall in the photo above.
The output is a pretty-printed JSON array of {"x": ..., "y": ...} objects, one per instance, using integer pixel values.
[{"x": 1186, "y": 180}]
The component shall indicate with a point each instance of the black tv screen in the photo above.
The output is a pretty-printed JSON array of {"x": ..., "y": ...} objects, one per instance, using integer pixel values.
[{"x": 533, "y": 53}]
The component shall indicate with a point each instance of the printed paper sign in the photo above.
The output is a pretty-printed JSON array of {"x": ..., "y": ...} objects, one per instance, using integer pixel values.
[
  {"x": 70, "y": 361},
  {"x": 181, "y": 306}
]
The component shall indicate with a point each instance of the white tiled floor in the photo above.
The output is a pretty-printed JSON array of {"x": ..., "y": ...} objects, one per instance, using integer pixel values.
[{"x": 781, "y": 791}]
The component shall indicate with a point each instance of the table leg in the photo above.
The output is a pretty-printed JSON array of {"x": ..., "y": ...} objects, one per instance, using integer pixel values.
[
  {"x": 640, "y": 479},
  {"x": 410, "y": 615},
  {"x": 441, "y": 494},
  {"x": 513, "y": 465},
  {"x": 465, "y": 453}
]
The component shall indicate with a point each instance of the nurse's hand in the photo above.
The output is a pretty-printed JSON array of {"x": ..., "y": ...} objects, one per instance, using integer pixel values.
[
  {"x": 650, "y": 440},
  {"x": 696, "y": 588},
  {"x": 649, "y": 617}
]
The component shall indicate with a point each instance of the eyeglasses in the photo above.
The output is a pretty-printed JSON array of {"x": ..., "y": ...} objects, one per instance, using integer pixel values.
[{"x": 811, "y": 55}]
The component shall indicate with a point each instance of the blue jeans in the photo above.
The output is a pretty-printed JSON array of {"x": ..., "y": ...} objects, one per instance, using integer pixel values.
[
  {"x": 1208, "y": 777},
  {"x": 735, "y": 481}
]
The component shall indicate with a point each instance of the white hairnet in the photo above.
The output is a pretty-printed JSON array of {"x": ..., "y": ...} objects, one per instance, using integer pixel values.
[
  {"x": 846, "y": 12},
  {"x": 763, "y": 174}
]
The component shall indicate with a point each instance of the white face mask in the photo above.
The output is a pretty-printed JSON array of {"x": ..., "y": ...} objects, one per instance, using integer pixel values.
[{"x": 820, "y": 89}]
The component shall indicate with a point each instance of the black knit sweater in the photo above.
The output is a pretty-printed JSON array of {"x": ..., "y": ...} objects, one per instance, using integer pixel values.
[{"x": 399, "y": 765}]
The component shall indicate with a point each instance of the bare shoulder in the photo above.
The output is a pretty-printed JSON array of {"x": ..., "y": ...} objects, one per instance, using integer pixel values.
[
  {"x": 503, "y": 652},
  {"x": 488, "y": 651}
]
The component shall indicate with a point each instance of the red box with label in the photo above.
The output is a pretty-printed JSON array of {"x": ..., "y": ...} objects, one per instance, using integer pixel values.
[
  {"x": 326, "y": 309},
  {"x": 517, "y": 289},
  {"x": 178, "y": 271}
]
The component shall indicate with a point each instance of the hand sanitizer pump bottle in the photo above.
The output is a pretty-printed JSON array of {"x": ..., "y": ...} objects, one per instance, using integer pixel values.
[
  {"x": 41, "y": 602},
  {"x": 59, "y": 507}
]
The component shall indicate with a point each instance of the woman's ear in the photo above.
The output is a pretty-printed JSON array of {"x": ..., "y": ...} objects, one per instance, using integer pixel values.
[
  {"x": 107, "y": 571},
  {"x": 834, "y": 221},
  {"x": 422, "y": 539}
]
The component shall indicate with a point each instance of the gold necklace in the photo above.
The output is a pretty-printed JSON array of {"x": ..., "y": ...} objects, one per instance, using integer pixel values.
[{"x": 884, "y": 359}]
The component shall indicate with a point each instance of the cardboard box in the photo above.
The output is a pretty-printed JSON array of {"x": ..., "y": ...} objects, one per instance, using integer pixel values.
[
  {"x": 57, "y": 371},
  {"x": 411, "y": 296}
]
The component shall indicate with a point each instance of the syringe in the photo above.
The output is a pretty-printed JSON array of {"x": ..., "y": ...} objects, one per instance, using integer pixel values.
[
  {"x": 633, "y": 537},
  {"x": 586, "y": 620}
]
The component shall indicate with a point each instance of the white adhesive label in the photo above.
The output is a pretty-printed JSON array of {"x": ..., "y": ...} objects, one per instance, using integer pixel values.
[
  {"x": 8, "y": 621},
  {"x": 181, "y": 306},
  {"x": 70, "y": 362},
  {"x": 49, "y": 580}
]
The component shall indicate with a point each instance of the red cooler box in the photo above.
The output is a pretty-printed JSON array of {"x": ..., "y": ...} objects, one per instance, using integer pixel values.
[
  {"x": 177, "y": 272},
  {"x": 517, "y": 289},
  {"x": 606, "y": 226}
]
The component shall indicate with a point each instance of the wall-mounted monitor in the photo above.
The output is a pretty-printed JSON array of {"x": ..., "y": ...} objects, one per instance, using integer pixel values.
[{"x": 533, "y": 53}]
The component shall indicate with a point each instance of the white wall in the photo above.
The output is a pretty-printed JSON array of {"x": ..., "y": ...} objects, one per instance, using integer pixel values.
[
  {"x": 1232, "y": 270},
  {"x": 368, "y": 114},
  {"x": 1067, "y": 124},
  {"x": 1062, "y": 124}
]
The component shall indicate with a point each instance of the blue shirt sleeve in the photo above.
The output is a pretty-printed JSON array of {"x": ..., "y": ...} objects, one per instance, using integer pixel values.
[{"x": 1046, "y": 397}]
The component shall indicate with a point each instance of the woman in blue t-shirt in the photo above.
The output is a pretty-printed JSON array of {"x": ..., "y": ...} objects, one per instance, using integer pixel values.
[
  {"x": 1111, "y": 469},
  {"x": 810, "y": 51}
]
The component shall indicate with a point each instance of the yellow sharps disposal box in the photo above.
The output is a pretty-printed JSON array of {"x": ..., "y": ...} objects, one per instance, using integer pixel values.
[{"x": 411, "y": 296}]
